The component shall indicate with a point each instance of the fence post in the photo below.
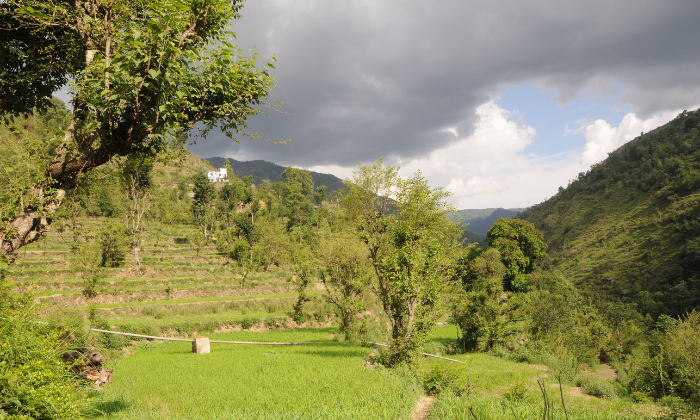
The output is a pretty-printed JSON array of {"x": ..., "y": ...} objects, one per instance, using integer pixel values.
[{"x": 201, "y": 345}]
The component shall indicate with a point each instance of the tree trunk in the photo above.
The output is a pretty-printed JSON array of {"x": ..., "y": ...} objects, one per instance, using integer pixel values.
[{"x": 29, "y": 224}]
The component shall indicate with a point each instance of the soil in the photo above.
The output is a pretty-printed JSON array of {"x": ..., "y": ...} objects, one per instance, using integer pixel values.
[
  {"x": 606, "y": 373},
  {"x": 422, "y": 409}
]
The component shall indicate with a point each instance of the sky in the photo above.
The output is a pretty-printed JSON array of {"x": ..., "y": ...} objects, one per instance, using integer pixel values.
[{"x": 499, "y": 102}]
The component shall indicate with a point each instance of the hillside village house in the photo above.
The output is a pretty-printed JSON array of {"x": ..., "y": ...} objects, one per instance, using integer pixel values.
[{"x": 217, "y": 176}]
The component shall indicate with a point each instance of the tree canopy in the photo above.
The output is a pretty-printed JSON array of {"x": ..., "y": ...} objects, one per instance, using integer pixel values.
[
  {"x": 520, "y": 245},
  {"x": 141, "y": 71}
]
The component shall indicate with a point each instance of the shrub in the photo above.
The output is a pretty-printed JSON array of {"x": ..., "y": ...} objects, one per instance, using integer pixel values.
[
  {"x": 516, "y": 392},
  {"x": 90, "y": 286},
  {"x": 34, "y": 381},
  {"x": 112, "y": 244},
  {"x": 597, "y": 388},
  {"x": 442, "y": 377},
  {"x": 275, "y": 322},
  {"x": 247, "y": 323},
  {"x": 674, "y": 352}
]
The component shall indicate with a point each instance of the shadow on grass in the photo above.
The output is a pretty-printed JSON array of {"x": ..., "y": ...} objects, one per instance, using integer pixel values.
[
  {"x": 444, "y": 341},
  {"x": 104, "y": 408},
  {"x": 335, "y": 351}
]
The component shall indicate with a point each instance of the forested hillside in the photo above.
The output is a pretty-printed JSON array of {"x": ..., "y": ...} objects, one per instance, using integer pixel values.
[
  {"x": 260, "y": 169},
  {"x": 629, "y": 228}
]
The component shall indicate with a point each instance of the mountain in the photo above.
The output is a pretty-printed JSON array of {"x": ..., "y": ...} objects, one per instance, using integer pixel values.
[
  {"x": 478, "y": 221},
  {"x": 629, "y": 228},
  {"x": 261, "y": 169}
]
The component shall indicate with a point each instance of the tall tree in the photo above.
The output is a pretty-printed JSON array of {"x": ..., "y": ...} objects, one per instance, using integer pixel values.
[
  {"x": 202, "y": 204},
  {"x": 300, "y": 176},
  {"x": 404, "y": 225},
  {"x": 136, "y": 179},
  {"x": 520, "y": 245},
  {"x": 141, "y": 70}
]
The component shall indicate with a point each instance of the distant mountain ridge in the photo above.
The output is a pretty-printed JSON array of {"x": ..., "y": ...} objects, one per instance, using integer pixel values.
[
  {"x": 261, "y": 169},
  {"x": 479, "y": 221},
  {"x": 476, "y": 222}
]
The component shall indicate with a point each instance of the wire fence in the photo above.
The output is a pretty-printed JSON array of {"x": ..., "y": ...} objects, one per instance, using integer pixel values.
[{"x": 267, "y": 343}]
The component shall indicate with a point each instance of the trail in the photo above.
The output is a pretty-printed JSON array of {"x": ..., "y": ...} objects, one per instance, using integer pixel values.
[{"x": 422, "y": 409}]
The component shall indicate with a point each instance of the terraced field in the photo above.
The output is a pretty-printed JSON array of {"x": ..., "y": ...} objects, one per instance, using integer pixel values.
[{"x": 177, "y": 291}]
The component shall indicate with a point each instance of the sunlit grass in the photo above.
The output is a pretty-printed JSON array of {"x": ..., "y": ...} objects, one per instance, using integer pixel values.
[{"x": 323, "y": 381}]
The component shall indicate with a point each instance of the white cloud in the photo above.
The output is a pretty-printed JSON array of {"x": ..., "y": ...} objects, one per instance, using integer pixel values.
[
  {"x": 490, "y": 168},
  {"x": 602, "y": 138}
]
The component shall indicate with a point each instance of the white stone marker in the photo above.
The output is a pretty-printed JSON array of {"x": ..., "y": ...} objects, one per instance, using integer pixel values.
[{"x": 200, "y": 345}]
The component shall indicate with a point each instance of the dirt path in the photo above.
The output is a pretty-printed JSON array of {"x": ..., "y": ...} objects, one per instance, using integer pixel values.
[{"x": 422, "y": 409}]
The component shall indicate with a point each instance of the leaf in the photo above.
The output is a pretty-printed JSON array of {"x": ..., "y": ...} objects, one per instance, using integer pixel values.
[{"x": 154, "y": 73}]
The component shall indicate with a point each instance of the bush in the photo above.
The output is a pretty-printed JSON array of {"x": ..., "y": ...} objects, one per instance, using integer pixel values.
[
  {"x": 274, "y": 322},
  {"x": 90, "y": 286},
  {"x": 597, "y": 388},
  {"x": 674, "y": 351},
  {"x": 112, "y": 244},
  {"x": 109, "y": 341},
  {"x": 442, "y": 377},
  {"x": 247, "y": 323},
  {"x": 34, "y": 381},
  {"x": 516, "y": 392}
]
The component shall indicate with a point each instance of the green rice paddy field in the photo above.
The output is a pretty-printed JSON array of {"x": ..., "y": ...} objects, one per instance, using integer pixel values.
[
  {"x": 179, "y": 292},
  {"x": 328, "y": 380}
]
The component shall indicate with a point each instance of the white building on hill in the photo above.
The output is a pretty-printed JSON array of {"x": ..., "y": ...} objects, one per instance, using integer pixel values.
[{"x": 217, "y": 176}]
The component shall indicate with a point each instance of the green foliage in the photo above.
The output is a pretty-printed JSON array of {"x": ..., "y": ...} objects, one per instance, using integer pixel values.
[
  {"x": 299, "y": 176},
  {"x": 204, "y": 192},
  {"x": 520, "y": 245},
  {"x": 197, "y": 241},
  {"x": 517, "y": 392},
  {"x": 112, "y": 246},
  {"x": 142, "y": 74},
  {"x": 597, "y": 387},
  {"x": 298, "y": 208},
  {"x": 346, "y": 275},
  {"x": 301, "y": 285},
  {"x": 410, "y": 243},
  {"x": 441, "y": 377},
  {"x": 34, "y": 62},
  {"x": 481, "y": 309},
  {"x": 247, "y": 323},
  {"x": 34, "y": 381},
  {"x": 321, "y": 194},
  {"x": 672, "y": 367},
  {"x": 27, "y": 145},
  {"x": 626, "y": 229},
  {"x": 90, "y": 286}
]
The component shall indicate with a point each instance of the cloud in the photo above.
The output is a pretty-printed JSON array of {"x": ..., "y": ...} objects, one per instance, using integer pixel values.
[
  {"x": 602, "y": 138},
  {"x": 488, "y": 167},
  {"x": 375, "y": 78}
]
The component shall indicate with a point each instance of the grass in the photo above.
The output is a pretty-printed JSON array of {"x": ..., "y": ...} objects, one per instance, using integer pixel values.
[
  {"x": 320, "y": 381},
  {"x": 324, "y": 381},
  {"x": 327, "y": 380}
]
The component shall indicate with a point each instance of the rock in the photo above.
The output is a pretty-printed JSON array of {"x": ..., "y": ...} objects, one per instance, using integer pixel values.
[
  {"x": 87, "y": 363},
  {"x": 201, "y": 345}
]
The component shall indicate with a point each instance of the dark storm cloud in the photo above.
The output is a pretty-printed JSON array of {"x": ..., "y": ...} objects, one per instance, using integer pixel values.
[{"x": 383, "y": 78}]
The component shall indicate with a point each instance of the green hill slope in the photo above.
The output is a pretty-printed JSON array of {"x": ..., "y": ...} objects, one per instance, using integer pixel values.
[
  {"x": 629, "y": 228},
  {"x": 476, "y": 222},
  {"x": 480, "y": 220},
  {"x": 261, "y": 169}
]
